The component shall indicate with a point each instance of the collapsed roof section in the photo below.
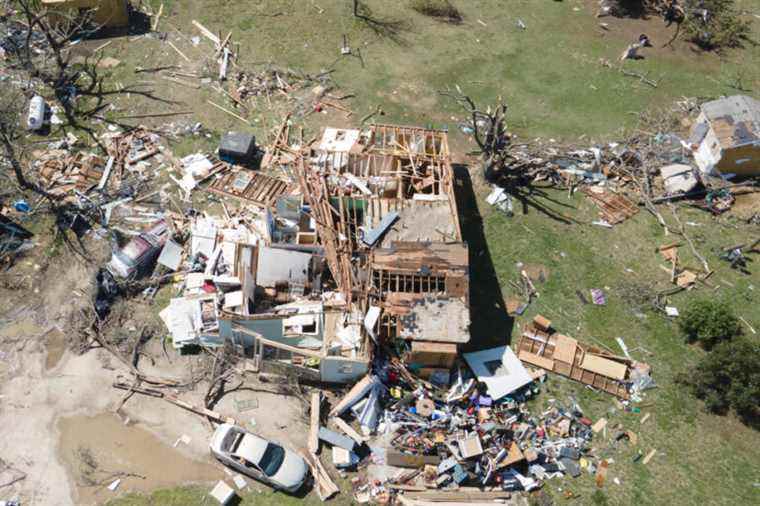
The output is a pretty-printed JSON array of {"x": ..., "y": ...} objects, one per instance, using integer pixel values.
[{"x": 372, "y": 187}]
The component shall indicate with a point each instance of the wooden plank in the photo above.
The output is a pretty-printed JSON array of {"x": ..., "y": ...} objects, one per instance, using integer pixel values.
[
  {"x": 323, "y": 484},
  {"x": 350, "y": 432},
  {"x": 564, "y": 350},
  {"x": 275, "y": 344},
  {"x": 533, "y": 359},
  {"x": 603, "y": 366},
  {"x": 354, "y": 395},
  {"x": 316, "y": 398},
  {"x": 398, "y": 459},
  {"x": 542, "y": 323},
  {"x": 433, "y": 354},
  {"x": 463, "y": 494},
  {"x": 207, "y": 33}
]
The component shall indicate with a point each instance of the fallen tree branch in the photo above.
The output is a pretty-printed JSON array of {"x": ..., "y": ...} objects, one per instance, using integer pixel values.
[{"x": 682, "y": 232}]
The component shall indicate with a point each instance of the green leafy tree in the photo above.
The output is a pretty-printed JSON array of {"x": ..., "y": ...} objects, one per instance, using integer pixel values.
[
  {"x": 729, "y": 378},
  {"x": 709, "y": 322},
  {"x": 715, "y": 24}
]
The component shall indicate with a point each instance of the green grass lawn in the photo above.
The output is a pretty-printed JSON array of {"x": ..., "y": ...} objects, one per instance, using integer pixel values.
[
  {"x": 551, "y": 77},
  {"x": 549, "y": 73}
]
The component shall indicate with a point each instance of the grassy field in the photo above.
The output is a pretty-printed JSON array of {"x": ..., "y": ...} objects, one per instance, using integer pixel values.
[
  {"x": 551, "y": 77},
  {"x": 550, "y": 73}
]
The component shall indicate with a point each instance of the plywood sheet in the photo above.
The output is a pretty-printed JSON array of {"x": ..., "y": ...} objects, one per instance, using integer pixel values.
[
  {"x": 603, "y": 366},
  {"x": 433, "y": 354},
  {"x": 537, "y": 360},
  {"x": 565, "y": 347}
]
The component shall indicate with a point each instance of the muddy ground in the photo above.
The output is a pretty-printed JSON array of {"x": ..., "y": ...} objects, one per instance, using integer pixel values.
[{"x": 57, "y": 406}]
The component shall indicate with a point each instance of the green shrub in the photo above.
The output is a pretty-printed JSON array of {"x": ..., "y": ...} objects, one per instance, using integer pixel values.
[
  {"x": 441, "y": 9},
  {"x": 708, "y": 322},
  {"x": 598, "y": 498},
  {"x": 729, "y": 378},
  {"x": 723, "y": 26}
]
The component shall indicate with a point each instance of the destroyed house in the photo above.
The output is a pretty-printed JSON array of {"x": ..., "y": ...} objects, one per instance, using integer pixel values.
[
  {"x": 377, "y": 223},
  {"x": 725, "y": 138}
]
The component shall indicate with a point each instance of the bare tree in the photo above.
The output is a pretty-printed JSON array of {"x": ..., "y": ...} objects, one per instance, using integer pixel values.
[
  {"x": 489, "y": 129},
  {"x": 10, "y": 137}
]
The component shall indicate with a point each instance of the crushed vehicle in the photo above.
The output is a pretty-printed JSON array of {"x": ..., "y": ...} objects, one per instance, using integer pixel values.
[
  {"x": 139, "y": 254},
  {"x": 258, "y": 458}
]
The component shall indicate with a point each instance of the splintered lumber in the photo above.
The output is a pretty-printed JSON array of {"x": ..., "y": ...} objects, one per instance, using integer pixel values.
[
  {"x": 348, "y": 430},
  {"x": 398, "y": 459},
  {"x": 174, "y": 400},
  {"x": 207, "y": 33},
  {"x": 178, "y": 51},
  {"x": 353, "y": 396},
  {"x": 613, "y": 207},
  {"x": 460, "y": 495},
  {"x": 158, "y": 16},
  {"x": 407, "y": 488},
  {"x": 229, "y": 112},
  {"x": 316, "y": 398},
  {"x": 183, "y": 83},
  {"x": 323, "y": 484},
  {"x": 649, "y": 457}
]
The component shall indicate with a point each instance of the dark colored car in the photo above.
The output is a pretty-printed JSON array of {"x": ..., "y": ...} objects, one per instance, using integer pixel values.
[{"x": 139, "y": 254}]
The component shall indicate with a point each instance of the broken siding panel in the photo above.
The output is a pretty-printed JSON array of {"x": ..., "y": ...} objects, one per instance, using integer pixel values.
[{"x": 342, "y": 370}]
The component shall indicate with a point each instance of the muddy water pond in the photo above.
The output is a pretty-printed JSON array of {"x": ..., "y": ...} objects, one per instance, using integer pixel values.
[{"x": 96, "y": 450}]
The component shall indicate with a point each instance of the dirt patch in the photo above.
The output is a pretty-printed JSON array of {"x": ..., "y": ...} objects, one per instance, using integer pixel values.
[
  {"x": 747, "y": 203},
  {"x": 97, "y": 450},
  {"x": 56, "y": 346}
]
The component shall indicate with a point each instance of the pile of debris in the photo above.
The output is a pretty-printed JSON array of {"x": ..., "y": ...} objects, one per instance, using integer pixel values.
[
  {"x": 343, "y": 262},
  {"x": 72, "y": 174},
  {"x": 473, "y": 438},
  {"x": 649, "y": 168}
]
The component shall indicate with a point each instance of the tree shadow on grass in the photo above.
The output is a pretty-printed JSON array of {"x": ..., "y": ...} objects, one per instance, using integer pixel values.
[
  {"x": 388, "y": 28},
  {"x": 491, "y": 325},
  {"x": 536, "y": 198}
]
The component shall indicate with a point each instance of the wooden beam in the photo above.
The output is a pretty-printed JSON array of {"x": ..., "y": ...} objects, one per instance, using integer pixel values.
[
  {"x": 350, "y": 432},
  {"x": 207, "y": 33},
  {"x": 275, "y": 344},
  {"x": 178, "y": 51},
  {"x": 229, "y": 112},
  {"x": 316, "y": 400}
]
